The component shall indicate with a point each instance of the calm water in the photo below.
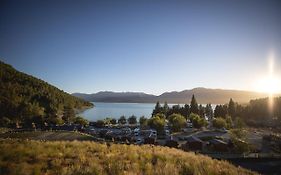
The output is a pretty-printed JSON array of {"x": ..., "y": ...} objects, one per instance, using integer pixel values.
[{"x": 115, "y": 110}]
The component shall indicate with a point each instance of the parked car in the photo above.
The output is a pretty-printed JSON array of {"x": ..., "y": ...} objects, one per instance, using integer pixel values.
[
  {"x": 139, "y": 141},
  {"x": 167, "y": 132}
]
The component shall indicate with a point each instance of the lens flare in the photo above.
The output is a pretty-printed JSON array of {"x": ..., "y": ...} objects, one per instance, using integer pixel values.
[{"x": 269, "y": 83}]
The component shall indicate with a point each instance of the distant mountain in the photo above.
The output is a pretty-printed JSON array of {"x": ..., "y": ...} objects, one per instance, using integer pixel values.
[
  {"x": 117, "y": 97},
  {"x": 203, "y": 95},
  {"x": 215, "y": 96},
  {"x": 23, "y": 97}
]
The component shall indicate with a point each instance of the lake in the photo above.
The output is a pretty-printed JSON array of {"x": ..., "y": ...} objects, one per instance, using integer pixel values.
[{"x": 115, "y": 110}]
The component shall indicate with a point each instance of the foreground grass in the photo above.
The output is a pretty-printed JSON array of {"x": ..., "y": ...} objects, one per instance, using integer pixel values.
[
  {"x": 64, "y": 157},
  {"x": 47, "y": 135}
]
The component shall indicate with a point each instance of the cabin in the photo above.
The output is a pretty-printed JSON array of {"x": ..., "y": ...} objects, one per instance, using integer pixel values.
[
  {"x": 172, "y": 143},
  {"x": 149, "y": 140},
  {"x": 193, "y": 143},
  {"x": 218, "y": 145}
]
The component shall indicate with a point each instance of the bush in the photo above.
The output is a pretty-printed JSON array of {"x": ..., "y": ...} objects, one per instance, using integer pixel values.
[
  {"x": 197, "y": 121},
  {"x": 177, "y": 122},
  {"x": 219, "y": 123},
  {"x": 143, "y": 121},
  {"x": 81, "y": 121},
  {"x": 157, "y": 123},
  {"x": 132, "y": 120},
  {"x": 238, "y": 137},
  {"x": 229, "y": 122},
  {"x": 122, "y": 120}
]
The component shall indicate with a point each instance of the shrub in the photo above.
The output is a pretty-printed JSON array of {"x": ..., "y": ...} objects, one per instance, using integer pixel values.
[
  {"x": 197, "y": 121},
  {"x": 157, "y": 123},
  {"x": 132, "y": 120},
  {"x": 177, "y": 122},
  {"x": 219, "y": 123}
]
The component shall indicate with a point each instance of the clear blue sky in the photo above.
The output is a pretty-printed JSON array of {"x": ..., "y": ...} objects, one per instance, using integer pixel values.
[{"x": 149, "y": 46}]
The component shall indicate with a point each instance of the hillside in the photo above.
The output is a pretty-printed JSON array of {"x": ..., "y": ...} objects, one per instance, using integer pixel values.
[
  {"x": 203, "y": 95},
  {"x": 34, "y": 157},
  {"x": 23, "y": 97}
]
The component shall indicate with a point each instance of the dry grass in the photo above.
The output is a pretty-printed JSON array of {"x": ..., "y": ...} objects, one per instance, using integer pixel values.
[
  {"x": 76, "y": 157},
  {"x": 48, "y": 135}
]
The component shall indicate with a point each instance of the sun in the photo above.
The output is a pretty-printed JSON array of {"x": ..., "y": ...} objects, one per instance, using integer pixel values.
[{"x": 270, "y": 85}]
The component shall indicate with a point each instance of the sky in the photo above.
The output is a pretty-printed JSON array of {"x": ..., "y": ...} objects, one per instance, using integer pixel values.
[{"x": 142, "y": 46}]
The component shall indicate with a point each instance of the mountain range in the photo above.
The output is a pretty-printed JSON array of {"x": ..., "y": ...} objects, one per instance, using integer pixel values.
[{"x": 203, "y": 95}]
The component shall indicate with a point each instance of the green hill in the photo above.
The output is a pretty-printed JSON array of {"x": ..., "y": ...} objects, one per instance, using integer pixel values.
[
  {"x": 61, "y": 157},
  {"x": 24, "y": 98}
]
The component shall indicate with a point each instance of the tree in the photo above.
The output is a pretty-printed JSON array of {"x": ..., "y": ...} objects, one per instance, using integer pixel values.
[
  {"x": 193, "y": 105},
  {"x": 113, "y": 121},
  {"x": 132, "y": 120},
  {"x": 238, "y": 123},
  {"x": 157, "y": 123},
  {"x": 231, "y": 108},
  {"x": 122, "y": 120},
  {"x": 201, "y": 111},
  {"x": 221, "y": 111},
  {"x": 177, "y": 122},
  {"x": 99, "y": 123},
  {"x": 197, "y": 121},
  {"x": 165, "y": 108},
  {"x": 237, "y": 137},
  {"x": 209, "y": 111},
  {"x": 143, "y": 121},
  {"x": 186, "y": 110},
  {"x": 56, "y": 120},
  {"x": 68, "y": 114},
  {"x": 157, "y": 109},
  {"x": 219, "y": 123},
  {"x": 229, "y": 122},
  {"x": 81, "y": 121}
]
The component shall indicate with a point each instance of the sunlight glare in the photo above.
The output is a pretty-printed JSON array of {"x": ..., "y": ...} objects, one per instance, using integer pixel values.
[{"x": 270, "y": 83}]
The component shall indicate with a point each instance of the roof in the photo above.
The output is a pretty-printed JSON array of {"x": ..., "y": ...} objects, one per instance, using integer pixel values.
[
  {"x": 193, "y": 139},
  {"x": 217, "y": 141}
]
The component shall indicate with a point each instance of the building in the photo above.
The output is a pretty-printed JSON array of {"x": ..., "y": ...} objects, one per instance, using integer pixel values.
[
  {"x": 218, "y": 145},
  {"x": 193, "y": 143}
]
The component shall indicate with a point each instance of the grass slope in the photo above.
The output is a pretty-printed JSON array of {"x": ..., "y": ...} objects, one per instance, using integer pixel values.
[
  {"x": 48, "y": 135},
  {"x": 62, "y": 157}
]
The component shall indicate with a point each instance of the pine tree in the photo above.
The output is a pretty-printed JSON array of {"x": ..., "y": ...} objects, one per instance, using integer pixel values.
[
  {"x": 165, "y": 108},
  {"x": 193, "y": 105},
  {"x": 157, "y": 109},
  {"x": 231, "y": 108}
]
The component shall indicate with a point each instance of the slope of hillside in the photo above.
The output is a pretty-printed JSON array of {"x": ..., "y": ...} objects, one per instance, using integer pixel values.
[
  {"x": 203, "y": 95},
  {"x": 23, "y": 96},
  {"x": 34, "y": 157}
]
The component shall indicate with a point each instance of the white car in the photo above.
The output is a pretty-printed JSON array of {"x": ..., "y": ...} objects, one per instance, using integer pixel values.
[{"x": 167, "y": 132}]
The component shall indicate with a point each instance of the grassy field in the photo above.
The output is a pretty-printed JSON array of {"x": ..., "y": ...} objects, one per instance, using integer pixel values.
[
  {"x": 48, "y": 135},
  {"x": 85, "y": 157}
]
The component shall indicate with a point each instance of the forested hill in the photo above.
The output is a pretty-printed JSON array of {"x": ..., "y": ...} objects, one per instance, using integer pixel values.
[{"x": 24, "y": 97}]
